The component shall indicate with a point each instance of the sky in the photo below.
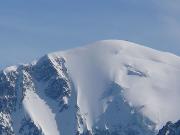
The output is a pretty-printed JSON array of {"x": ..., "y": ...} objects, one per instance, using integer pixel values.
[{"x": 31, "y": 28}]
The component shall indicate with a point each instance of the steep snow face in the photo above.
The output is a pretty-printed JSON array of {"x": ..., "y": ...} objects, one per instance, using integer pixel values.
[
  {"x": 109, "y": 87},
  {"x": 150, "y": 79},
  {"x": 40, "y": 113}
]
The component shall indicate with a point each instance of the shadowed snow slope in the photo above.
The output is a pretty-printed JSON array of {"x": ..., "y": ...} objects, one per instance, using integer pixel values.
[{"x": 108, "y": 87}]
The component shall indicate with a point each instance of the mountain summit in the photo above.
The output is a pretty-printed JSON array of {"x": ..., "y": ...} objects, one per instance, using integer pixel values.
[{"x": 111, "y": 87}]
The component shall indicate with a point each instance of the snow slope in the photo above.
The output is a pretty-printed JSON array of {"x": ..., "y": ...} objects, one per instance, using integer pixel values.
[
  {"x": 111, "y": 86},
  {"x": 94, "y": 66},
  {"x": 40, "y": 113}
]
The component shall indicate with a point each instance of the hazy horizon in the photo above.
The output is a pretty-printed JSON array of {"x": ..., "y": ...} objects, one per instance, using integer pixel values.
[{"x": 33, "y": 28}]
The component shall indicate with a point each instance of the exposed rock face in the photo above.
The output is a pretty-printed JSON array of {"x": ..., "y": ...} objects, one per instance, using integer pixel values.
[
  {"x": 13, "y": 86},
  {"x": 29, "y": 128},
  {"x": 53, "y": 73},
  {"x": 170, "y": 129}
]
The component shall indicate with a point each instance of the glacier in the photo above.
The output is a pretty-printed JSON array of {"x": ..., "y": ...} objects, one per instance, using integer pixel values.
[{"x": 110, "y": 87}]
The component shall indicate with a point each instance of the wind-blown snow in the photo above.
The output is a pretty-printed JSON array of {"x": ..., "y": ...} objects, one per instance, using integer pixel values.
[
  {"x": 150, "y": 78},
  {"x": 10, "y": 68}
]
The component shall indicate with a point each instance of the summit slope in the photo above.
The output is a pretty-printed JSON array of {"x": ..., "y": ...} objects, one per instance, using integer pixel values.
[
  {"x": 108, "y": 87},
  {"x": 150, "y": 78}
]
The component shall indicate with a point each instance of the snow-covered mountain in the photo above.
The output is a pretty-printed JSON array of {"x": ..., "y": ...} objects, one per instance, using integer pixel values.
[{"x": 111, "y": 87}]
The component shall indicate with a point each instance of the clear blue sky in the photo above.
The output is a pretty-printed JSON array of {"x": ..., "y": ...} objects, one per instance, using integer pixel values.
[{"x": 32, "y": 28}]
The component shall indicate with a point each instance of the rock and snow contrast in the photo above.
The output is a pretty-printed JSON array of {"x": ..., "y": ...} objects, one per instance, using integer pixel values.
[{"x": 111, "y": 87}]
